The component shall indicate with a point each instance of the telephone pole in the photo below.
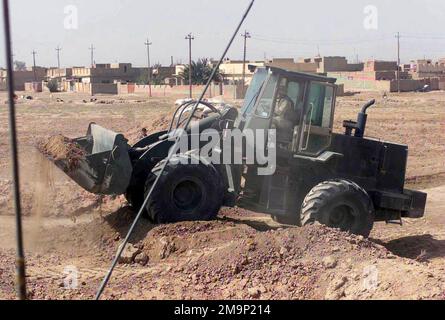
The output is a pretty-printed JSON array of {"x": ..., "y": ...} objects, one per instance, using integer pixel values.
[
  {"x": 190, "y": 37},
  {"x": 58, "y": 56},
  {"x": 92, "y": 48},
  {"x": 34, "y": 64},
  {"x": 148, "y": 44},
  {"x": 245, "y": 35},
  {"x": 398, "y": 61}
]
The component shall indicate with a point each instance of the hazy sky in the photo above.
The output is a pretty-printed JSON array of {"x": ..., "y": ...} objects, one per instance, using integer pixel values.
[{"x": 279, "y": 28}]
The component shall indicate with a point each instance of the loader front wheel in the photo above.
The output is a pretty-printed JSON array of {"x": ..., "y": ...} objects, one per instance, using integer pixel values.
[
  {"x": 184, "y": 192},
  {"x": 339, "y": 204}
]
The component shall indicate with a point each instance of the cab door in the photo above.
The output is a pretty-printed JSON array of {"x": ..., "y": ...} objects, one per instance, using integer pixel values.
[{"x": 316, "y": 129}]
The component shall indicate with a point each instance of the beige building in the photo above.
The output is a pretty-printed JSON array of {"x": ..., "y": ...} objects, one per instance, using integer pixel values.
[
  {"x": 233, "y": 70},
  {"x": 426, "y": 68},
  {"x": 292, "y": 65}
]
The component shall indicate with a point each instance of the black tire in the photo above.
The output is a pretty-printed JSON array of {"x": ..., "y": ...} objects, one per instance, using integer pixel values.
[
  {"x": 339, "y": 204},
  {"x": 184, "y": 192}
]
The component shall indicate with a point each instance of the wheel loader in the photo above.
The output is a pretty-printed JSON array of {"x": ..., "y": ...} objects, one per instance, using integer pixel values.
[{"x": 342, "y": 180}]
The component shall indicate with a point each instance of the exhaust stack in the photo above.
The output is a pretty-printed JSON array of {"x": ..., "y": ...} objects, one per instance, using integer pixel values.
[
  {"x": 361, "y": 120},
  {"x": 360, "y": 125}
]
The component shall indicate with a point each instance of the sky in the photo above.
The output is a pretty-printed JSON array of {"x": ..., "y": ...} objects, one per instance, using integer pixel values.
[{"x": 279, "y": 28}]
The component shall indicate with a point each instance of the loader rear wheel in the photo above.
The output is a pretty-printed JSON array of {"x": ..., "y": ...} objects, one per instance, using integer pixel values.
[
  {"x": 339, "y": 204},
  {"x": 184, "y": 192}
]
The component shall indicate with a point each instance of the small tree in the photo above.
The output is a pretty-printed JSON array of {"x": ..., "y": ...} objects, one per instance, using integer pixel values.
[
  {"x": 19, "y": 65},
  {"x": 53, "y": 85},
  {"x": 201, "y": 72}
]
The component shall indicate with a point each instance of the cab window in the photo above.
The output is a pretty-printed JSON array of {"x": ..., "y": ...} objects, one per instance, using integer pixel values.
[
  {"x": 265, "y": 104},
  {"x": 317, "y": 120}
]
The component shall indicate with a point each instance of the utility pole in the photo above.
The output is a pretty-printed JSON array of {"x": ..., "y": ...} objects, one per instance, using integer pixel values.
[
  {"x": 398, "y": 61},
  {"x": 190, "y": 37},
  {"x": 148, "y": 44},
  {"x": 34, "y": 64},
  {"x": 92, "y": 48},
  {"x": 245, "y": 35},
  {"x": 58, "y": 56}
]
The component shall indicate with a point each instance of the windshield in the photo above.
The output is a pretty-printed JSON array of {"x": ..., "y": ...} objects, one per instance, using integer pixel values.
[{"x": 254, "y": 90}]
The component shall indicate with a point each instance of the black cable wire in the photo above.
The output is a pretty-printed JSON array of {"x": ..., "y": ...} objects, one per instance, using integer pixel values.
[{"x": 20, "y": 259}]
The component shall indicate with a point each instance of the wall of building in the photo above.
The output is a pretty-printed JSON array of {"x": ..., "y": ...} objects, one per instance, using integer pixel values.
[
  {"x": 366, "y": 81},
  {"x": 291, "y": 65},
  {"x": 96, "y": 88},
  {"x": 33, "y": 87},
  {"x": 215, "y": 90},
  {"x": 375, "y": 65},
  {"x": 59, "y": 73},
  {"x": 335, "y": 64},
  {"x": 21, "y": 77},
  {"x": 233, "y": 70}
]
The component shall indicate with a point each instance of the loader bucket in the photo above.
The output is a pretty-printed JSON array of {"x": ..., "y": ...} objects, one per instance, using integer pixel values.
[{"x": 106, "y": 168}]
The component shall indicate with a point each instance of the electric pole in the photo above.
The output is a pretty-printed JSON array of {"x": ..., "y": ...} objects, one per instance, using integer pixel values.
[
  {"x": 148, "y": 44},
  {"x": 34, "y": 64},
  {"x": 246, "y": 35},
  {"x": 92, "y": 48},
  {"x": 398, "y": 61},
  {"x": 58, "y": 56},
  {"x": 190, "y": 37}
]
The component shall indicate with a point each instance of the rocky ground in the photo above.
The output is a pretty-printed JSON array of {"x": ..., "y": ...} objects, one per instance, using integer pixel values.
[{"x": 71, "y": 236}]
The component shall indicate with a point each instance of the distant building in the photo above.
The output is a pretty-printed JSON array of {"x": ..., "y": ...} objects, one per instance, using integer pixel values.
[
  {"x": 426, "y": 68},
  {"x": 108, "y": 73},
  {"x": 37, "y": 74},
  {"x": 382, "y": 76},
  {"x": 291, "y": 65},
  {"x": 233, "y": 70}
]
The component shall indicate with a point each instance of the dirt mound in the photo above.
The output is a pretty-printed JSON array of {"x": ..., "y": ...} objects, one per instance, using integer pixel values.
[
  {"x": 62, "y": 148},
  {"x": 230, "y": 260},
  {"x": 158, "y": 123}
]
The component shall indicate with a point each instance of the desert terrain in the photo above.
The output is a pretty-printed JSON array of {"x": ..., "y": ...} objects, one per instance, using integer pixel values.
[{"x": 242, "y": 255}]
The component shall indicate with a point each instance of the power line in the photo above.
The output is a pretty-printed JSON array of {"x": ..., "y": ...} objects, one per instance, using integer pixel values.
[
  {"x": 317, "y": 42},
  {"x": 190, "y": 37}
]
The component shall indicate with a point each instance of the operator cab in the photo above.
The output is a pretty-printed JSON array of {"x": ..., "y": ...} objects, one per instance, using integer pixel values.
[{"x": 299, "y": 106}]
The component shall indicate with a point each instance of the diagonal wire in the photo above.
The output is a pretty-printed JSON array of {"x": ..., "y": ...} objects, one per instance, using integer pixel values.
[{"x": 173, "y": 150}]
